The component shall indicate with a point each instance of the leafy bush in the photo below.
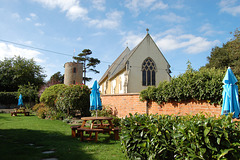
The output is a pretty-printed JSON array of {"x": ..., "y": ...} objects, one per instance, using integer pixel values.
[
  {"x": 50, "y": 94},
  {"x": 37, "y": 106},
  {"x": 107, "y": 112},
  {"x": 180, "y": 137},
  {"x": 42, "y": 112},
  {"x": 29, "y": 93},
  {"x": 205, "y": 84},
  {"x": 8, "y": 98},
  {"x": 74, "y": 97}
]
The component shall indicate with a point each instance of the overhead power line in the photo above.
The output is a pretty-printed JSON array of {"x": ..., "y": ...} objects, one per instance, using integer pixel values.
[
  {"x": 65, "y": 54},
  {"x": 41, "y": 49}
]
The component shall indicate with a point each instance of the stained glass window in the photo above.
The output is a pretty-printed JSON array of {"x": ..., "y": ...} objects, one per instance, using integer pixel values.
[{"x": 148, "y": 72}]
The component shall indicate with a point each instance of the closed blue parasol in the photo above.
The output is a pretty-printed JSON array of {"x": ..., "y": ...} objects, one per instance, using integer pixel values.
[
  {"x": 230, "y": 95},
  {"x": 95, "y": 100},
  {"x": 20, "y": 100}
]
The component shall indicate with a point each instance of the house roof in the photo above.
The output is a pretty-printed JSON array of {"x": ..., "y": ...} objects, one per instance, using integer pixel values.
[{"x": 120, "y": 63}]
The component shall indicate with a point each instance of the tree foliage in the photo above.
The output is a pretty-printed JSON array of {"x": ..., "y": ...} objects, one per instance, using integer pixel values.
[
  {"x": 205, "y": 84},
  {"x": 227, "y": 55},
  {"x": 19, "y": 71},
  {"x": 57, "y": 78},
  {"x": 29, "y": 92},
  {"x": 165, "y": 137},
  {"x": 74, "y": 97},
  {"x": 89, "y": 63},
  {"x": 50, "y": 94}
]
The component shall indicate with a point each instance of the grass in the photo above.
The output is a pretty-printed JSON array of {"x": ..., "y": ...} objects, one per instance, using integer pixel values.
[{"x": 26, "y": 137}]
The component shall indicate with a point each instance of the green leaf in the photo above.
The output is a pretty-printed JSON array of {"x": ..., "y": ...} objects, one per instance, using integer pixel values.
[
  {"x": 224, "y": 152},
  {"x": 206, "y": 131}
]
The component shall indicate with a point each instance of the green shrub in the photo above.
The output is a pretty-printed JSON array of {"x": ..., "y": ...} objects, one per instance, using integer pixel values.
[
  {"x": 37, "y": 106},
  {"x": 8, "y": 98},
  {"x": 50, "y": 94},
  {"x": 74, "y": 97},
  {"x": 205, "y": 84},
  {"x": 107, "y": 112},
  {"x": 42, "y": 112},
  {"x": 180, "y": 137},
  {"x": 29, "y": 93}
]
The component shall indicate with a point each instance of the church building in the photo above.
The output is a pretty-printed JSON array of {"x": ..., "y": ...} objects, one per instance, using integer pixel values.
[{"x": 136, "y": 69}]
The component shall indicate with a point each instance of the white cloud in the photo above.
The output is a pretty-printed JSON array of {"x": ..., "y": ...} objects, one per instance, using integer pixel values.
[
  {"x": 131, "y": 40},
  {"x": 39, "y": 24},
  {"x": 17, "y": 17},
  {"x": 172, "y": 17},
  {"x": 33, "y": 15},
  {"x": 230, "y": 6},
  {"x": 159, "y": 5},
  {"x": 112, "y": 20},
  {"x": 99, "y": 4},
  {"x": 79, "y": 38},
  {"x": 72, "y": 7},
  {"x": 137, "y": 5},
  {"x": 9, "y": 50},
  {"x": 189, "y": 43},
  {"x": 98, "y": 34}
]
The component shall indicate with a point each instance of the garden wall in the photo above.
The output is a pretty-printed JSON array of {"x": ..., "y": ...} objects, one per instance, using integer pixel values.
[{"x": 123, "y": 104}]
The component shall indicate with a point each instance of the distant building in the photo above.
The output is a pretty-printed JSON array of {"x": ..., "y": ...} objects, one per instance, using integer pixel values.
[
  {"x": 136, "y": 69},
  {"x": 73, "y": 73}
]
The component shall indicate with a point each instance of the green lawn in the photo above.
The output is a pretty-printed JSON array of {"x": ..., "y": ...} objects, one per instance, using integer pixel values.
[{"x": 26, "y": 137}]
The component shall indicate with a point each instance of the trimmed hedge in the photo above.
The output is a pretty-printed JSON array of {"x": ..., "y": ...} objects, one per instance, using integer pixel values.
[
  {"x": 205, "y": 84},
  {"x": 7, "y": 98},
  {"x": 180, "y": 137}
]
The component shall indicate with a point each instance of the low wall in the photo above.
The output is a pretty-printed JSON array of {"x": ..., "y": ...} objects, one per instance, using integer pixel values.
[{"x": 123, "y": 104}]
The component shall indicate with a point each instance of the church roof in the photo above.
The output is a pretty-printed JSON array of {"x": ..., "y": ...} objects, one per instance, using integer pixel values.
[
  {"x": 117, "y": 65},
  {"x": 120, "y": 63}
]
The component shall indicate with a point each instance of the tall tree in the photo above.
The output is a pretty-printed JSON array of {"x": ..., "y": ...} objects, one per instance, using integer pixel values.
[
  {"x": 56, "y": 78},
  {"x": 19, "y": 71},
  {"x": 89, "y": 63},
  {"x": 227, "y": 55}
]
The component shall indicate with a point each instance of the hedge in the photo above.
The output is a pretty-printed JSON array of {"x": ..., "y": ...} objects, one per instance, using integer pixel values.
[
  {"x": 180, "y": 137},
  {"x": 205, "y": 84},
  {"x": 7, "y": 98}
]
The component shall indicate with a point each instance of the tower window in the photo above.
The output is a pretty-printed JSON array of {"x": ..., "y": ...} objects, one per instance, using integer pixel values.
[
  {"x": 148, "y": 72},
  {"x": 74, "y": 70}
]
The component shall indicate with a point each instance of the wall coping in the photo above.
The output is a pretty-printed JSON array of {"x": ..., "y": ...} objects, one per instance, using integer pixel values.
[{"x": 122, "y": 94}]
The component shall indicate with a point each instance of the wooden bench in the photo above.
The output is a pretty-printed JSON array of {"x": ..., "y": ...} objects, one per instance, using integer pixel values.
[
  {"x": 80, "y": 132},
  {"x": 74, "y": 129},
  {"x": 90, "y": 131},
  {"x": 16, "y": 112}
]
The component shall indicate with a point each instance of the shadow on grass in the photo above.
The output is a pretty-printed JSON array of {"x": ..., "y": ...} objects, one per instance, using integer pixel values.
[{"x": 29, "y": 144}]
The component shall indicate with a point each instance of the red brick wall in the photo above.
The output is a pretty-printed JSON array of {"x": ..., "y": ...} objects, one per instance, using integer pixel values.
[{"x": 123, "y": 104}]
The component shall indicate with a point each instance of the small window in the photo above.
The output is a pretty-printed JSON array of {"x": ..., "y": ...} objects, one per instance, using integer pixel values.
[
  {"x": 74, "y": 70},
  {"x": 148, "y": 72}
]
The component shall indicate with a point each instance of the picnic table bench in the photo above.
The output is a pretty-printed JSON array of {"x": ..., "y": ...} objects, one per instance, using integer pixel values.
[
  {"x": 18, "y": 112},
  {"x": 82, "y": 130}
]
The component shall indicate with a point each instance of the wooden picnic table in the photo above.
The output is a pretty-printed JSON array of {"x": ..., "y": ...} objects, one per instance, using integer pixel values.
[
  {"x": 100, "y": 119},
  {"x": 96, "y": 128}
]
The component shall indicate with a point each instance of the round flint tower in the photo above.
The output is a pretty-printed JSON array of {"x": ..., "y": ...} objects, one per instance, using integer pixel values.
[{"x": 73, "y": 73}]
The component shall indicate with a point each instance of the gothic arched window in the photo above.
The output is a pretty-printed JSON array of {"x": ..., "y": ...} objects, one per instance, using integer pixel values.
[{"x": 148, "y": 72}]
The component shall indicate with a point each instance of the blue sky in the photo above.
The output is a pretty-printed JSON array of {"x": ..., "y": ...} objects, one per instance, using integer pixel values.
[{"x": 183, "y": 29}]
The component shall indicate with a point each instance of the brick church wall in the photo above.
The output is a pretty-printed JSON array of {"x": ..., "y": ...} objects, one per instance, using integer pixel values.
[{"x": 123, "y": 104}]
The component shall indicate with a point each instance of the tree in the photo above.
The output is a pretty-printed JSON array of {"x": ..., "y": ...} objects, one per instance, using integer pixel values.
[
  {"x": 227, "y": 55},
  {"x": 19, "y": 71},
  {"x": 29, "y": 93},
  {"x": 74, "y": 97},
  {"x": 56, "y": 78},
  {"x": 89, "y": 63}
]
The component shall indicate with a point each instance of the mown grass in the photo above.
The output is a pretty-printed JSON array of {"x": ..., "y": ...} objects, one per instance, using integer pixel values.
[{"x": 26, "y": 137}]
